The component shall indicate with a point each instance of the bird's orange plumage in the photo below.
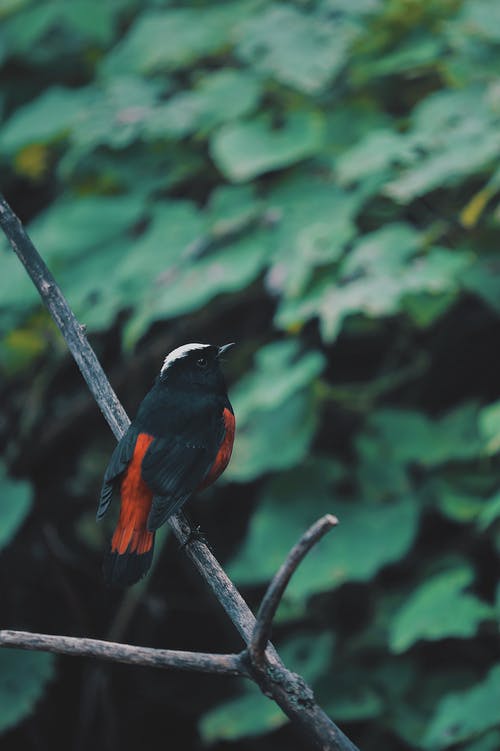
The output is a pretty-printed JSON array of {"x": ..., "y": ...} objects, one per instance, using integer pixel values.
[{"x": 131, "y": 534}]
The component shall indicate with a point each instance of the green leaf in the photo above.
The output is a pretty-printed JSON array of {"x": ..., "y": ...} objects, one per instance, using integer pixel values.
[
  {"x": 184, "y": 287},
  {"x": 245, "y": 150},
  {"x": 483, "y": 279},
  {"x": 50, "y": 116},
  {"x": 258, "y": 435},
  {"x": 71, "y": 227},
  {"x": 119, "y": 113},
  {"x": 248, "y": 715},
  {"x": 464, "y": 715},
  {"x": 408, "y": 436},
  {"x": 377, "y": 151},
  {"x": 316, "y": 221},
  {"x": 369, "y": 536},
  {"x": 490, "y": 512},
  {"x": 437, "y": 609},
  {"x": 17, "y": 499},
  {"x": 273, "y": 401},
  {"x": 489, "y": 427},
  {"x": 176, "y": 37},
  {"x": 218, "y": 98},
  {"x": 384, "y": 272},
  {"x": 297, "y": 49},
  {"x": 23, "y": 677},
  {"x": 346, "y": 697},
  {"x": 471, "y": 142},
  {"x": 488, "y": 742},
  {"x": 281, "y": 369},
  {"x": 82, "y": 21},
  {"x": 480, "y": 18}
]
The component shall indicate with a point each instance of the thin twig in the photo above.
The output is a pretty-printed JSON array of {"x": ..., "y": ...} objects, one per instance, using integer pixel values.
[
  {"x": 272, "y": 598},
  {"x": 201, "y": 662},
  {"x": 289, "y": 691}
]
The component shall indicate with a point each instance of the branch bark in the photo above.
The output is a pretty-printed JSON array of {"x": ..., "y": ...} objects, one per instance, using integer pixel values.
[
  {"x": 272, "y": 598},
  {"x": 289, "y": 690},
  {"x": 201, "y": 662}
]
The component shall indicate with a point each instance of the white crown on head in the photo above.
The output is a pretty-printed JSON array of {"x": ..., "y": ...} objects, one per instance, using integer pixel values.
[{"x": 179, "y": 353}]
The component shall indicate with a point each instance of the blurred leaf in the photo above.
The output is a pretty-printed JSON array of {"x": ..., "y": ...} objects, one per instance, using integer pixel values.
[
  {"x": 23, "y": 677},
  {"x": 407, "y": 436},
  {"x": 45, "y": 119},
  {"x": 246, "y": 149},
  {"x": 487, "y": 742},
  {"x": 480, "y": 17},
  {"x": 17, "y": 499},
  {"x": 490, "y": 512},
  {"x": 176, "y": 37},
  {"x": 377, "y": 151},
  {"x": 218, "y": 98},
  {"x": 185, "y": 287},
  {"x": 247, "y": 715},
  {"x": 369, "y": 536},
  {"x": 316, "y": 221},
  {"x": 346, "y": 696},
  {"x": 81, "y": 20},
  {"x": 272, "y": 402},
  {"x": 297, "y": 49},
  {"x": 483, "y": 279},
  {"x": 437, "y": 609},
  {"x": 120, "y": 112},
  {"x": 258, "y": 435},
  {"x": 464, "y": 715},
  {"x": 71, "y": 227},
  {"x": 489, "y": 427},
  {"x": 382, "y": 273},
  {"x": 281, "y": 369}
]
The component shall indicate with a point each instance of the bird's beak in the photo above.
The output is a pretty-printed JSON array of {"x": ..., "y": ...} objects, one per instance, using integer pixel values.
[{"x": 224, "y": 348}]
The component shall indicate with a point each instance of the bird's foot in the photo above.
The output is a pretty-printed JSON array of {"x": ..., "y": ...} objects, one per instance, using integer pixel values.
[{"x": 194, "y": 535}]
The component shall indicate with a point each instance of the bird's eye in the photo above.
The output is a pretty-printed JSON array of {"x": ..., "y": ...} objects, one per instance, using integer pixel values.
[{"x": 202, "y": 362}]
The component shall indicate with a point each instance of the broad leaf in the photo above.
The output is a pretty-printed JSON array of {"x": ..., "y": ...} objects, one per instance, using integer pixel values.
[
  {"x": 439, "y": 608},
  {"x": 16, "y": 503},
  {"x": 368, "y": 537},
  {"x": 297, "y": 49},
  {"x": 460, "y": 716},
  {"x": 245, "y": 150},
  {"x": 23, "y": 677}
]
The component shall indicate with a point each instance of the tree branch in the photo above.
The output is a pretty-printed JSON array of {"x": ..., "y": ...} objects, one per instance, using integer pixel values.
[
  {"x": 288, "y": 690},
  {"x": 272, "y": 598},
  {"x": 231, "y": 664}
]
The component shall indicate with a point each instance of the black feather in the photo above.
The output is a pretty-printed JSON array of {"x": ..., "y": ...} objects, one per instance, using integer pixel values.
[
  {"x": 128, "y": 568},
  {"x": 121, "y": 456}
]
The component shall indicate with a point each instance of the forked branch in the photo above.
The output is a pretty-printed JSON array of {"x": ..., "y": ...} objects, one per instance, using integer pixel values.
[{"x": 288, "y": 689}]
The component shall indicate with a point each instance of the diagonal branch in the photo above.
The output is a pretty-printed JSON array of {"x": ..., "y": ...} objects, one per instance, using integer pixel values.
[
  {"x": 271, "y": 600},
  {"x": 231, "y": 664},
  {"x": 288, "y": 690}
]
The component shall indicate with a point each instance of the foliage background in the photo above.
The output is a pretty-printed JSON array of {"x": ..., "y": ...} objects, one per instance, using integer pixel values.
[{"x": 318, "y": 181}]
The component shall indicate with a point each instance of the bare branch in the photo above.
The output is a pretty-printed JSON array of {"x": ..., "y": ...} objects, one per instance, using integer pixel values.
[
  {"x": 271, "y": 600},
  {"x": 289, "y": 691},
  {"x": 201, "y": 662}
]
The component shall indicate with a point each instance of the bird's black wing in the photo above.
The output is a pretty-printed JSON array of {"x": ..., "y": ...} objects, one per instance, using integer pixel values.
[
  {"x": 121, "y": 456},
  {"x": 174, "y": 467}
]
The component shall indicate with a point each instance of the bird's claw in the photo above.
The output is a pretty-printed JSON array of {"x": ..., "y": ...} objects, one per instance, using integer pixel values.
[{"x": 194, "y": 535}]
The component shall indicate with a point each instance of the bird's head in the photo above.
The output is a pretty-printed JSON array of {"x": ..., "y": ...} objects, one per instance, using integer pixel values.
[{"x": 195, "y": 364}]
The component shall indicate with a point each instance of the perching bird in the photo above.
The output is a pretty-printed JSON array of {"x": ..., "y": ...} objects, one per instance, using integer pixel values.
[{"x": 180, "y": 442}]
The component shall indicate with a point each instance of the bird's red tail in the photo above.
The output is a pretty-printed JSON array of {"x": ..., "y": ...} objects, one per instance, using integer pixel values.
[{"x": 132, "y": 544}]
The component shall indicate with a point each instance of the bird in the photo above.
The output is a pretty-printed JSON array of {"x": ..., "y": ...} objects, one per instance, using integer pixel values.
[{"x": 179, "y": 442}]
